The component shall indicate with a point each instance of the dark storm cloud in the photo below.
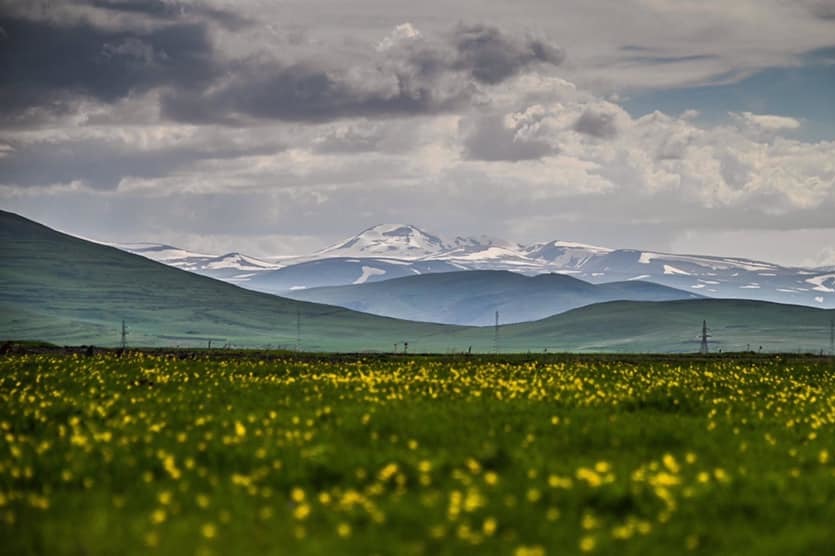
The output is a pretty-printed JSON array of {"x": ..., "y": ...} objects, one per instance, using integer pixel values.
[
  {"x": 166, "y": 10},
  {"x": 409, "y": 78},
  {"x": 492, "y": 56},
  {"x": 303, "y": 93},
  {"x": 489, "y": 139},
  {"x": 823, "y": 9},
  {"x": 101, "y": 164},
  {"x": 597, "y": 124},
  {"x": 47, "y": 66}
]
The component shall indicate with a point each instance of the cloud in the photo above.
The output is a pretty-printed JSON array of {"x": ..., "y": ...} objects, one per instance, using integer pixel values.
[
  {"x": 52, "y": 65},
  {"x": 103, "y": 162},
  {"x": 491, "y": 56},
  {"x": 823, "y": 9},
  {"x": 823, "y": 258},
  {"x": 403, "y": 32},
  {"x": 597, "y": 124},
  {"x": 321, "y": 122},
  {"x": 364, "y": 136},
  {"x": 349, "y": 140},
  {"x": 48, "y": 67},
  {"x": 511, "y": 137},
  {"x": 306, "y": 93},
  {"x": 765, "y": 122},
  {"x": 406, "y": 75},
  {"x": 167, "y": 9}
]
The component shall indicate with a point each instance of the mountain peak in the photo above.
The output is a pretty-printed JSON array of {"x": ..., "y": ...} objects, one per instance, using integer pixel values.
[{"x": 402, "y": 241}]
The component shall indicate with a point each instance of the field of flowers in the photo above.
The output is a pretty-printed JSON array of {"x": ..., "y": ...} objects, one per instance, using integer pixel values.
[{"x": 519, "y": 456}]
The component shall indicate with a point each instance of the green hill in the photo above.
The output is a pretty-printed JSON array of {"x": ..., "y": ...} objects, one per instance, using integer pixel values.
[
  {"x": 675, "y": 326},
  {"x": 64, "y": 290}
]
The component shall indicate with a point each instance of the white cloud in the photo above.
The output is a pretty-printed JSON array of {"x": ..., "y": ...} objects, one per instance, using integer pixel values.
[
  {"x": 674, "y": 169},
  {"x": 767, "y": 121},
  {"x": 402, "y": 33},
  {"x": 824, "y": 257}
]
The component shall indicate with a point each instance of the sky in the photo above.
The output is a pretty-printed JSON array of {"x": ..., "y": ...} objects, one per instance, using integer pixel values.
[{"x": 278, "y": 127}]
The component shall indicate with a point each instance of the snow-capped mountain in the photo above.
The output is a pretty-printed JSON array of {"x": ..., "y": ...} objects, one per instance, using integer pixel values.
[
  {"x": 565, "y": 254},
  {"x": 160, "y": 252},
  {"x": 338, "y": 271},
  {"x": 231, "y": 267},
  {"x": 396, "y": 241},
  {"x": 396, "y": 250}
]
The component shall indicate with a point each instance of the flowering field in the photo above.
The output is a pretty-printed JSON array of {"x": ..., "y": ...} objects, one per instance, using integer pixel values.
[{"x": 518, "y": 456}]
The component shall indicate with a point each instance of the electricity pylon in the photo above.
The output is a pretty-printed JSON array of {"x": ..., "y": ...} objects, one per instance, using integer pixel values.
[
  {"x": 496, "y": 335},
  {"x": 703, "y": 348},
  {"x": 124, "y": 335}
]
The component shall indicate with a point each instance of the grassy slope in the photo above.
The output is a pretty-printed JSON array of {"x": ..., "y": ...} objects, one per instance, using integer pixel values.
[
  {"x": 65, "y": 290},
  {"x": 674, "y": 326}
]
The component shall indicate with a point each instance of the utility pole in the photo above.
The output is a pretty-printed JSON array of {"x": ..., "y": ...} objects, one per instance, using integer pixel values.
[
  {"x": 298, "y": 329},
  {"x": 405, "y": 348},
  {"x": 703, "y": 349},
  {"x": 124, "y": 335},
  {"x": 832, "y": 337},
  {"x": 496, "y": 335}
]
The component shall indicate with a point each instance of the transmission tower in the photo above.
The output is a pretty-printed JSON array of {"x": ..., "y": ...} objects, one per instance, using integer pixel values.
[
  {"x": 124, "y": 335},
  {"x": 832, "y": 337},
  {"x": 496, "y": 335},
  {"x": 703, "y": 349},
  {"x": 298, "y": 329}
]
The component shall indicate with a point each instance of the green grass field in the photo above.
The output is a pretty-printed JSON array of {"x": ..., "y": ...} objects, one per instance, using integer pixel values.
[{"x": 279, "y": 454}]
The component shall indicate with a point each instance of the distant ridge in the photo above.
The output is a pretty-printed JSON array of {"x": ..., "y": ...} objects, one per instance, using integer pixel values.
[
  {"x": 64, "y": 290},
  {"x": 397, "y": 250},
  {"x": 472, "y": 298}
]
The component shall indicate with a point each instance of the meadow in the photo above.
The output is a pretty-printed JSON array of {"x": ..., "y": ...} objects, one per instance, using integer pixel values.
[{"x": 206, "y": 453}]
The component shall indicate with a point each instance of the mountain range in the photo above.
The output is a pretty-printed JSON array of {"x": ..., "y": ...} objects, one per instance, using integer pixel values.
[
  {"x": 395, "y": 251},
  {"x": 62, "y": 289},
  {"x": 478, "y": 297}
]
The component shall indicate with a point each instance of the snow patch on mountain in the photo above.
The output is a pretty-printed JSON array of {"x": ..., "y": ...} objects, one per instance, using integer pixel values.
[
  {"x": 368, "y": 272},
  {"x": 823, "y": 283},
  {"x": 673, "y": 270},
  {"x": 488, "y": 254},
  {"x": 155, "y": 251},
  {"x": 239, "y": 261}
]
